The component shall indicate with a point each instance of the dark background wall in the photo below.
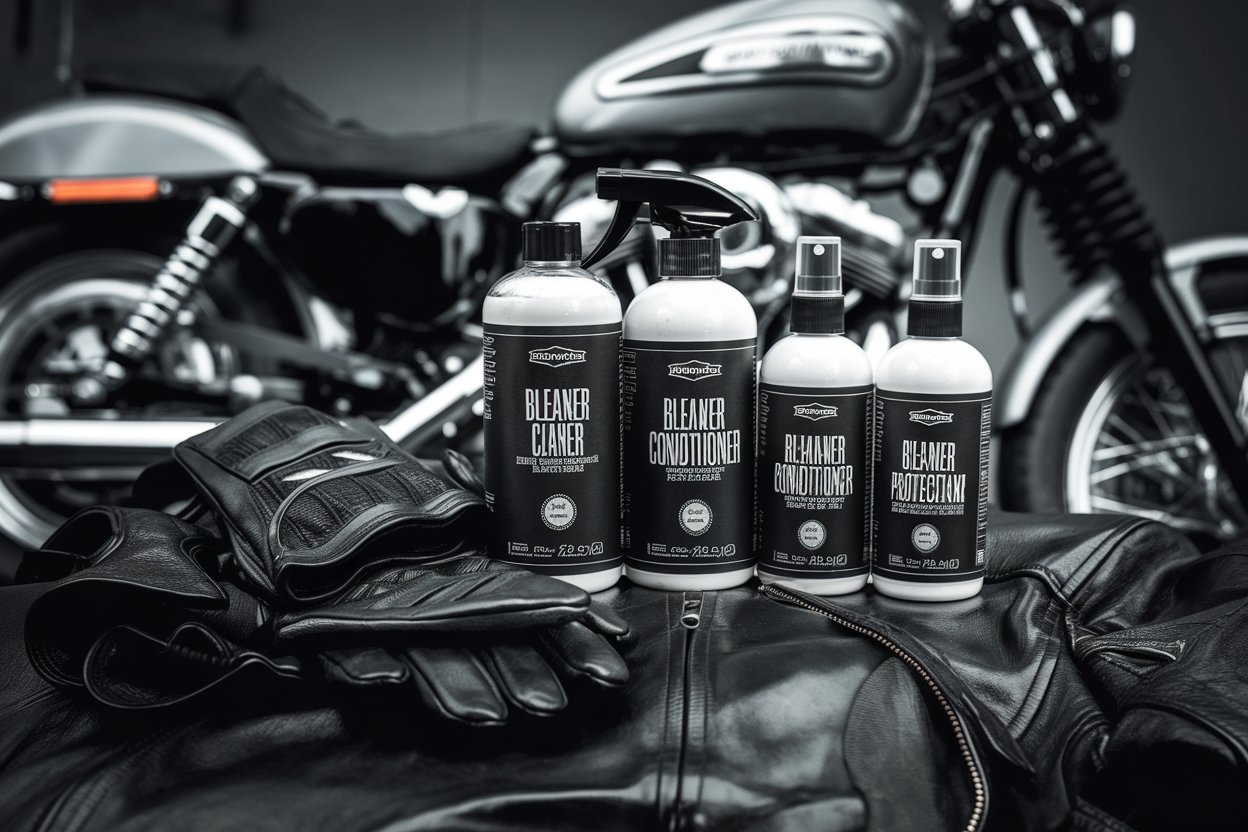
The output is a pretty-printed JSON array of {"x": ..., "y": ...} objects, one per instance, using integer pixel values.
[{"x": 424, "y": 65}]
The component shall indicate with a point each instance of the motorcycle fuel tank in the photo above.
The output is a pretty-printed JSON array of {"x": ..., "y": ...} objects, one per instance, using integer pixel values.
[{"x": 844, "y": 69}]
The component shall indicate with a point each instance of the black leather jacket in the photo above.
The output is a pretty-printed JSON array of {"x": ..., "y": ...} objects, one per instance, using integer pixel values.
[{"x": 1100, "y": 680}]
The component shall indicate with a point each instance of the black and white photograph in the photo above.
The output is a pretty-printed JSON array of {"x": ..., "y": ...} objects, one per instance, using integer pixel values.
[{"x": 676, "y": 415}]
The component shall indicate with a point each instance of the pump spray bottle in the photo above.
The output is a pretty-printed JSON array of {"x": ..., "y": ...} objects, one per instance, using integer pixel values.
[
  {"x": 551, "y": 342},
  {"x": 814, "y": 406},
  {"x": 933, "y": 418},
  {"x": 687, "y": 372}
]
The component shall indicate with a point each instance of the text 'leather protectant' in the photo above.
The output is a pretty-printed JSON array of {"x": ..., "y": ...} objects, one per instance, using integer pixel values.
[
  {"x": 552, "y": 349},
  {"x": 687, "y": 376},
  {"x": 933, "y": 417},
  {"x": 814, "y": 408}
]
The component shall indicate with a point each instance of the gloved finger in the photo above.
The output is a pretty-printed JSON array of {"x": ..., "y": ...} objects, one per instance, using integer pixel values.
[
  {"x": 525, "y": 678},
  {"x": 462, "y": 471},
  {"x": 365, "y": 667},
  {"x": 576, "y": 651},
  {"x": 453, "y": 683},
  {"x": 606, "y": 621}
]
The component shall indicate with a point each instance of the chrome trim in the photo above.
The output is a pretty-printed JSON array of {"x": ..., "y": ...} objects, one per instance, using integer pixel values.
[
  {"x": 465, "y": 384},
  {"x": 614, "y": 83},
  {"x": 1043, "y": 62},
  {"x": 99, "y": 433},
  {"x": 124, "y": 136},
  {"x": 1095, "y": 301},
  {"x": 1031, "y": 363},
  {"x": 968, "y": 172}
]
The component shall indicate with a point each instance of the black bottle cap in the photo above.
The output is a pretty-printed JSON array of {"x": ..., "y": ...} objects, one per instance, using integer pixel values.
[
  {"x": 551, "y": 242},
  {"x": 689, "y": 257}
]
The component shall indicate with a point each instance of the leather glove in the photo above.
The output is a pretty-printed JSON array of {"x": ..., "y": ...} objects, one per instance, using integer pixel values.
[
  {"x": 473, "y": 636},
  {"x": 146, "y": 616},
  {"x": 136, "y": 619},
  {"x": 310, "y": 503}
]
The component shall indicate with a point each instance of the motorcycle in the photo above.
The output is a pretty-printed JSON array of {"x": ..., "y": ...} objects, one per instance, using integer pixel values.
[{"x": 328, "y": 264}]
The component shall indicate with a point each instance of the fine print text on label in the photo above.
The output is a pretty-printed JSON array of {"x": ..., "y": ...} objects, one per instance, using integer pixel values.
[
  {"x": 552, "y": 463},
  {"x": 931, "y": 485}
]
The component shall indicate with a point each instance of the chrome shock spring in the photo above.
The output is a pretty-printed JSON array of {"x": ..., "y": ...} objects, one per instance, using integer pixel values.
[
  {"x": 173, "y": 289},
  {"x": 1091, "y": 211}
]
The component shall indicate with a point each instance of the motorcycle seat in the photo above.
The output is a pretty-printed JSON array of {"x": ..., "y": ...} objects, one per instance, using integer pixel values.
[{"x": 296, "y": 135}]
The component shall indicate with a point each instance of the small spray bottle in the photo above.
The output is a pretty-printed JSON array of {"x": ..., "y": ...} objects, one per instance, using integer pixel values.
[
  {"x": 933, "y": 417},
  {"x": 814, "y": 408}
]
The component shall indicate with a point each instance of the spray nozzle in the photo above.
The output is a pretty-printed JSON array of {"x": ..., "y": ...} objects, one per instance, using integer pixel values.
[
  {"x": 689, "y": 207},
  {"x": 818, "y": 305},
  {"x": 818, "y": 267},
  {"x": 937, "y": 270}
]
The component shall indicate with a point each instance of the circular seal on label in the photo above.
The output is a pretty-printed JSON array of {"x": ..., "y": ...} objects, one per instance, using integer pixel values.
[
  {"x": 558, "y": 512},
  {"x": 695, "y": 517},
  {"x": 925, "y": 537},
  {"x": 812, "y": 534}
]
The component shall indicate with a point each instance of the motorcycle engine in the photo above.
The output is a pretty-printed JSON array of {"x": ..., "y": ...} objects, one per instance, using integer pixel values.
[{"x": 757, "y": 257}]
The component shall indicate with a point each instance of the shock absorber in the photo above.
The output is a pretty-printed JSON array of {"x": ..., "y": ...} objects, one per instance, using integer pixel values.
[
  {"x": 173, "y": 289},
  {"x": 1093, "y": 215}
]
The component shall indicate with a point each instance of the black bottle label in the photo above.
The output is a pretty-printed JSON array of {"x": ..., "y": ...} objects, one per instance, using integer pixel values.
[
  {"x": 688, "y": 456},
  {"x": 812, "y": 480},
  {"x": 931, "y": 485},
  {"x": 552, "y": 461}
]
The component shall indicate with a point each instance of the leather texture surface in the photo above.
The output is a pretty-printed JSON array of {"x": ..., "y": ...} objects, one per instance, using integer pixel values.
[{"x": 1097, "y": 683}]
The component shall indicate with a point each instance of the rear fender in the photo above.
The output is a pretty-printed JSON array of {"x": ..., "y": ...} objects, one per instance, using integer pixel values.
[
  {"x": 124, "y": 135},
  {"x": 1102, "y": 301}
]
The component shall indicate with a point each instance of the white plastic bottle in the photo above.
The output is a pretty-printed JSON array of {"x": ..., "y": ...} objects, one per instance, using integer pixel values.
[
  {"x": 814, "y": 409},
  {"x": 551, "y": 344},
  {"x": 933, "y": 417},
  {"x": 688, "y": 425}
]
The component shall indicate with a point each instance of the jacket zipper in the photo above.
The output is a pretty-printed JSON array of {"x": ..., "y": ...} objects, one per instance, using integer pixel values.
[
  {"x": 690, "y": 618},
  {"x": 980, "y": 810}
]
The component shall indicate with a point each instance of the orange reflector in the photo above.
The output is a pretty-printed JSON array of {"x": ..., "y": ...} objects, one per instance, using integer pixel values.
[{"x": 132, "y": 189}]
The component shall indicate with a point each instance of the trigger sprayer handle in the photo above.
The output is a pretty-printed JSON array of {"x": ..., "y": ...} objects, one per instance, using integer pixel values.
[{"x": 684, "y": 204}]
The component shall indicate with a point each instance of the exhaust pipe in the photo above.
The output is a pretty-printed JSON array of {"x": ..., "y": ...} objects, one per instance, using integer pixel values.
[{"x": 137, "y": 439}]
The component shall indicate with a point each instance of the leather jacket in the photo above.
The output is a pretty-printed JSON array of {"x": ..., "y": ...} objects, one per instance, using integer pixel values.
[{"x": 1100, "y": 681}]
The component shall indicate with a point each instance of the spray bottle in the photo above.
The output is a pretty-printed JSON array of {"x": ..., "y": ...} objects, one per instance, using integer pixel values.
[
  {"x": 687, "y": 390},
  {"x": 814, "y": 406},
  {"x": 932, "y": 419},
  {"x": 552, "y": 344}
]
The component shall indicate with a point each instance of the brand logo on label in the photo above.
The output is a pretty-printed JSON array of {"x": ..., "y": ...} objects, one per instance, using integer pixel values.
[
  {"x": 931, "y": 417},
  {"x": 813, "y": 411},
  {"x": 694, "y": 370},
  {"x": 556, "y": 356}
]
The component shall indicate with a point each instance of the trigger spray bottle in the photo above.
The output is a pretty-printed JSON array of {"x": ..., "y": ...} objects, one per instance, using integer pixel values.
[
  {"x": 551, "y": 346},
  {"x": 687, "y": 374},
  {"x": 933, "y": 417}
]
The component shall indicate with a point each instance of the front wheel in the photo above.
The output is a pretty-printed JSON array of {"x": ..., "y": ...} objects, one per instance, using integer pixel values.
[{"x": 1111, "y": 431}]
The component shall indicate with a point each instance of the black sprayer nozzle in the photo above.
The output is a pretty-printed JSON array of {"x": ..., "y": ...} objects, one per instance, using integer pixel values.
[{"x": 688, "y": 206}]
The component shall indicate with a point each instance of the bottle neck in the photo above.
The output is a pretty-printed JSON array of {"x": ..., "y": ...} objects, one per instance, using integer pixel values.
[
  {"x": 552, "y": 264},
  {"x": 688, "y": 277},
  {"x": 935, "y": 318}
]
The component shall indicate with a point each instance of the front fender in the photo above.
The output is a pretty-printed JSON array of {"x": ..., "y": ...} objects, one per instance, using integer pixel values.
[
  {"x": 1101, "y": 301},
  {"x": 123, "y": 135}
]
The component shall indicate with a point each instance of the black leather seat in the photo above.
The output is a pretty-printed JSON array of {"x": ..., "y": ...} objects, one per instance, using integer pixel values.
[{"x": 296, "y": 135}]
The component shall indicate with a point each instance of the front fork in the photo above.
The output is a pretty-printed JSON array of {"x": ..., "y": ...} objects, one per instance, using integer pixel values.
[{"x": 172, "y": 291}]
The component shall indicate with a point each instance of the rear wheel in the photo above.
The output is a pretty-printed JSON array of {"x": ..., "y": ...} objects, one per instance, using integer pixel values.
[
  {"x": 58, "y": 313},
  {"x": 1111, "y": 430}
]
